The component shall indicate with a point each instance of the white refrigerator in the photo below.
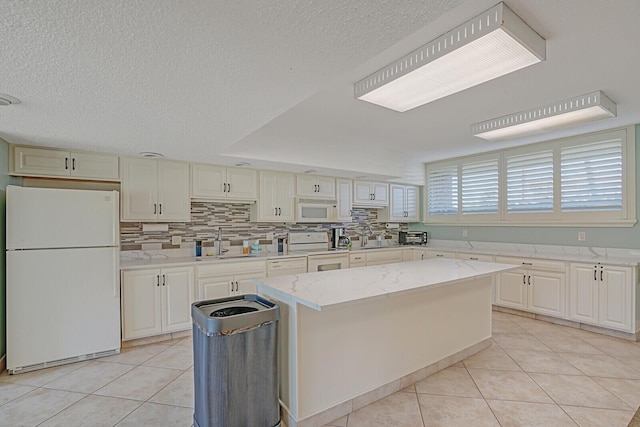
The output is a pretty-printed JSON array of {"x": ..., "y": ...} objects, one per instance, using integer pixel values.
[{"x": 63, "y": 293}]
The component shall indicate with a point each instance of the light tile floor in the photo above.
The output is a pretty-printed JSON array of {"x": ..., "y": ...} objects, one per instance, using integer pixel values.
[{"x": 534, "y": 374}]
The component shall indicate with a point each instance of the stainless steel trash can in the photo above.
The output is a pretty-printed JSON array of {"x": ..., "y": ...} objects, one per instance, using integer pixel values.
[{"x": 235, "y": 362}]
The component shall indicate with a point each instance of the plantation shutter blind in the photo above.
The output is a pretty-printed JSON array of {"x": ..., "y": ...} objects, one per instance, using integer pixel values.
[
  {"x": 530, "y": 183},
  {"x": 591, "y": 177},
  {"x": 442, "y": 186},
  {"x": 480, "y": 187}
]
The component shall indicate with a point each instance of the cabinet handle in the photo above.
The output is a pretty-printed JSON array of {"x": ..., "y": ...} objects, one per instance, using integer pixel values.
[
  {"x": 276, "y": 209},
  {"x": 524, "y": 279},
  {"x": 158, "y": 280},
  {"x": 228, "y": 188},
  {"x": 374, "y": 196},
  {"x": 529, "y": 280},
  {"x": 155, "y": 209},
  {"x": 279, "y": 211},
  {"x": 66, "y": 163},
  {"x": 440, "y": 255},
  {"x": 73, "y": 164},
  {"x": 601, "y": 275},
  {"x": 422, "y": 256},
  {"x": 160, "y": 212},
  {"x": 527, "y": 263},
  {"x": 224, "y": 187},
  {"x": 595, "y": 274},
  {"x": 473, "y": 258},
  {"x": 163, "y": 280}
]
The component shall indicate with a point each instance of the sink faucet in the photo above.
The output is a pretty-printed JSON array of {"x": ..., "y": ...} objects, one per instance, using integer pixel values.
[
  {"x": 365, "y": 237},
  {"x": 219, "y": 240}
]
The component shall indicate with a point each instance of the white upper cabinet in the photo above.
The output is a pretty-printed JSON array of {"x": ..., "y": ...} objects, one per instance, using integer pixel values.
[
  {"x": 313, "y": 186},
  {"x": 155, "y": 190},
  {"x": 276, "y": 201},
  {"x": 370, "y": 194},
  {"x": 30, "y": 161},
  {"x": 218, "y": 182},
  {"x": 344, "y": 195},
  {"x": 403, "y": 204}
]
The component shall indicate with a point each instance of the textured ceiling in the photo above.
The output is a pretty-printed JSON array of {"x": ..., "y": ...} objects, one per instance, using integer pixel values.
[{"x": 271, "y": 82}]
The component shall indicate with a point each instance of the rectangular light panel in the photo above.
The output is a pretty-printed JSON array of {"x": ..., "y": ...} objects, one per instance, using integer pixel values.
[
  {"x": 492, "y": 44},
  {"x": 569, "y": 112}
]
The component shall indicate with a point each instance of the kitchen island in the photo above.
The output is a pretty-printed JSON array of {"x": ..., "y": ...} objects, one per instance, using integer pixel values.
[{"x": 350, "y": 337}]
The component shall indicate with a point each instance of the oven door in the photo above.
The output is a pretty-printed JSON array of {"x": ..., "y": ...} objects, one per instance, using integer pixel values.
[{"x": 328, "y": 262}]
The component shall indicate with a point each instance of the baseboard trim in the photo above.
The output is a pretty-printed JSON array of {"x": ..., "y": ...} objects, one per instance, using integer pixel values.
[{"x": 569, "y": 323}]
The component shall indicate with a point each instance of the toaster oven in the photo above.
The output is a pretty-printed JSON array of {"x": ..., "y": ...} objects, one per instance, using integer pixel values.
[{"x": 413, "y": 238}]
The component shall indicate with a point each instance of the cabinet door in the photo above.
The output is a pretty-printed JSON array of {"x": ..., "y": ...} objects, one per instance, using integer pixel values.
[
  {"x": 286, "y": 185},
  {"x": 267, "y": 197},
  {"x": 174, "y": 203},
  {"x": 583, "y": 293},
  {"x": 326, "y": 187},
  {"x": 141, "y": 304},
  {"x": 412, "y": 201},
  {"x": 208, "y": 181},
  {"x": 380, "y": 194},
  {"x": 214, "y": 287},
  {"x": 306, "y": 186},
  {"x": 177, "y": 294},
  {"x": 344, "y": 193},
  {"x": 511, "y": 289},
  {"x": 615, "y": 303},
  {"x": 242, "y": 184},
  {"x": 244, "y": 284},
  {"x": 546, "y": 293},
  {"x": 36, "y": 161},
  {"x": 362, "y": 193},
  {"x": 97, "y": 166},
  {"x": 397, "y": 204},
  {"x": 139, "y": 189}
]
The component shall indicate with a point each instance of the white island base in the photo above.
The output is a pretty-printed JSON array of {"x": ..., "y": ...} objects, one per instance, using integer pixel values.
[{"x": 339, "y": 353}]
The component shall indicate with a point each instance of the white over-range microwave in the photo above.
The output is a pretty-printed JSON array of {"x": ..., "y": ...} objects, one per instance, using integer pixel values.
[{"x": 316, "y": 211}]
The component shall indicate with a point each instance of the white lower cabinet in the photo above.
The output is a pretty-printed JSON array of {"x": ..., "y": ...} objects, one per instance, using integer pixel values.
[
  {"x": 218, "y": 280},
  {"x": 282, "y": 267},
  {"x": 602, "y": 295},
  {"x": 377, "y": 257},
  {"x": 156, "y": 301},
  {"x": 539, "y": 287}
]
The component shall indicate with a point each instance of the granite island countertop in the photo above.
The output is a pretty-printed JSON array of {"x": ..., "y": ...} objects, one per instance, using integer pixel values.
[{"x": 321, "y": 290}]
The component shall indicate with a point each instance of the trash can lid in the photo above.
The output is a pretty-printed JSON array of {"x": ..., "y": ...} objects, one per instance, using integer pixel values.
[{"x": 229, "y": 315}]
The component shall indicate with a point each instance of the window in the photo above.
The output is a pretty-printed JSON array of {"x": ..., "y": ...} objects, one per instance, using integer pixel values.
[
  {"x": 530, "y": 183},
  {"x": 480, "y": 187},
  {"x": 443, "y": 191},
  {"x": 591, "y": 177},
  {"x": 584, "y": 180}
]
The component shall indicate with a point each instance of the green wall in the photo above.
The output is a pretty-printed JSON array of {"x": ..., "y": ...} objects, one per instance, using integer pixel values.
[{"x": 609, "y": 237}]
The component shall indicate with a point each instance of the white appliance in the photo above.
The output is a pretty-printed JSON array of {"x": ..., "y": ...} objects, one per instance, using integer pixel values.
[
  {"x": 320, "y": 258},
  {"x": 316, "y": 211},
  {"x": 63, "y": 296}
]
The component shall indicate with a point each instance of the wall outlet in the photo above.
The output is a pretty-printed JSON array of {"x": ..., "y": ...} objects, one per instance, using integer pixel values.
[
  {"x": 269, "y": 236},
  {"x": 176, "y": 240},
  {"x": 582, "y": 236},
  {"x": 465, "y": 233}
]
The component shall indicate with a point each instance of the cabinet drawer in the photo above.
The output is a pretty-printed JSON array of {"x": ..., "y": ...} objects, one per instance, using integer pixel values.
[
  {"x": 289, "y": 263},
  {"x": 257, "y": 268},
  {"x": 357, "y": 258},
  {"x": 538, "y": 264},
  {"x": 388, "y": 256},
  {"x": 475, "y": 257}
]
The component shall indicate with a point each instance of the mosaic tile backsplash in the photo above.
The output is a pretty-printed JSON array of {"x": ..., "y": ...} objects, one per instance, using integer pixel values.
[{"x": 208, "y": 217}]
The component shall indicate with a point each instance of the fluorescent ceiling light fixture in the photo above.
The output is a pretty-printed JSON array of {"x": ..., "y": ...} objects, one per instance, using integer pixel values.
[
  {"x": 569, "y": 112},
  {"x": 494, "y": 43}
]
